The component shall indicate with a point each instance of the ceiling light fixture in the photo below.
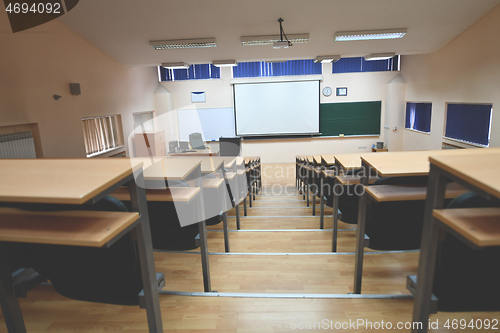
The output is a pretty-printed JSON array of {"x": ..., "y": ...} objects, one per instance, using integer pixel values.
[
  {"x": 342, "y": 36},
  {"x": 175, "y": 65},
  {"x": 224, "y": 63},
  {"x": 271, "y": 39},
  {"x": 183, "y": 43},
  {"x": 327, "y": 58},
  {"x": 380, "y": 56}
]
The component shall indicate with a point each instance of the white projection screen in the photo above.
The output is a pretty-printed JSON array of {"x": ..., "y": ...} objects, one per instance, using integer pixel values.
[{"x": 277, "y": 108}]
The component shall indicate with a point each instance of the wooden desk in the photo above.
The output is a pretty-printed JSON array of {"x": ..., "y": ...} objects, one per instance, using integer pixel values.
[
  {"x": 397, "y": 164},
  {"x": 476, "y": 170},
  {"x": 159, "y": 170},
  {"x": 328, "y": 159},
  {"x": 379, "y": 150},
  {"x": 205, "y": 152},
  {"x": 77, "y": 181},
  {"x": 348, "y": 161},
  {"x": 208, "y": 164},
  {"x": 87, "y": 228}
]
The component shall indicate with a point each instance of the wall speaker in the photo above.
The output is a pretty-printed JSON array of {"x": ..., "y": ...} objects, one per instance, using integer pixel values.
[{"x": 75, "y": 88}]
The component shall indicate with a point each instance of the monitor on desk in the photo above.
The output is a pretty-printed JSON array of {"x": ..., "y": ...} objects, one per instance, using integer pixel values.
[
  {"x": 184, "y": 146},
  {"x": 172, "y": 145},
  {"x": 196, "y": 141}
]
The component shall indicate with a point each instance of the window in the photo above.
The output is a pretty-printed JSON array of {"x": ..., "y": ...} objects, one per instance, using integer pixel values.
[
  {"x": 418, "y": 116},
  {"x": 102, "y": 134},
  {"x": 357, "y": 65},
  {"x": 290, "y": 67},
  {"x": 469, "y": 123},
  {"x": 194, "y": 72},
  {"x": 144, "y": 121}
]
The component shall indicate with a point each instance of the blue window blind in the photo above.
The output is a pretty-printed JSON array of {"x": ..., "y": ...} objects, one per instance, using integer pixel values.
[
  {"x": 290, "y": 67},
  {"x": 357, "y": 65},
  {"x": 194, "y": 72},
  {"x": 418, "y": 116},
  {"x": 469, "y": 122}
]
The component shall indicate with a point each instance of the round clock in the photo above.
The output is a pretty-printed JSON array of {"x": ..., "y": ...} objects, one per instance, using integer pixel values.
[{"x": 327, "y": 91}]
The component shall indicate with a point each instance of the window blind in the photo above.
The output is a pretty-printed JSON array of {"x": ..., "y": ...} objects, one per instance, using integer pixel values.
[
  {"x": 359, "y": 64},
  {"x": 418, "y": 116},
  {"x": 290, "y": 67},
  {"x": 469, "y": 122},
  {"x": 194, "y": 72},
  {"x": 102, "y": 134}
]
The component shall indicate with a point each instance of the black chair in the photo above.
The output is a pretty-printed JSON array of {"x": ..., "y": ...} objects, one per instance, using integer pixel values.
[
  {"x": 396, "y": 225},
  {"x": 466, "y": 279},
  {"x": 166, "y": 231},
  {"x": 105, "y": 275},
  {"x": 348, "y": 200},
  {"x": 229, "y": 146}
]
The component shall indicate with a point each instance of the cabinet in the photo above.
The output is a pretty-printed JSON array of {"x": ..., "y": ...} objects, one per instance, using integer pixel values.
[{"x": 150, "y": 144}]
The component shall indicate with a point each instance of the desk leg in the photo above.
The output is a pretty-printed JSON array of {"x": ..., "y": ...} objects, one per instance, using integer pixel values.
[
  {"x": 245, "y": 206},
  {"x": 204, "y": 256},
  {"x": 250, "y": 197},
  {"x": 237, "y": 212},
  {"x": 321, "y": 203},
  {"x": 314, "y": 200},
  {"x": 428, "y": 250},
  {"x": 145, "y": 248},
  {"x": 307, "y": 189},
  {"x": 335, "y": 226},
  {"x": 202, "y": 229},
  {"x": 360, "y": 233},
  {"x": 8, "y": 300},
  {"x": 226, "y": 231}
]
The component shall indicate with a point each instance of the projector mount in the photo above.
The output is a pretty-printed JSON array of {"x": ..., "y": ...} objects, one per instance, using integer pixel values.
[{"x": 282, "y": 43}]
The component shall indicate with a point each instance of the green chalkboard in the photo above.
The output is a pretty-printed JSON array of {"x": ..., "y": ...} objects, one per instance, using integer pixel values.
[{"x": 357, "y": 118}]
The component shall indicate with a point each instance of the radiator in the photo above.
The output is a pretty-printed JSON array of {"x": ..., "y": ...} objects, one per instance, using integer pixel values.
[{"x": 17, "y": 145}]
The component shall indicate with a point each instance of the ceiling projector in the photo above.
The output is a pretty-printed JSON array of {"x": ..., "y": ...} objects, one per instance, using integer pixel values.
[{"x": 281, "y": 44}]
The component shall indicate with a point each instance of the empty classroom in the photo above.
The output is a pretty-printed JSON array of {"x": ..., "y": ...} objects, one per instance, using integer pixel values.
[{"x": 259, "y": 166}]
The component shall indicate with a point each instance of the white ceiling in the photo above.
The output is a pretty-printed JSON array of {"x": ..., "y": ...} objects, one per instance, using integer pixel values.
[{"x": 123, "y": 28}]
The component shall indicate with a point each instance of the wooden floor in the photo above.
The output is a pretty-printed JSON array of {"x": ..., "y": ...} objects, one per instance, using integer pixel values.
[{"x": 279, "y": 250}]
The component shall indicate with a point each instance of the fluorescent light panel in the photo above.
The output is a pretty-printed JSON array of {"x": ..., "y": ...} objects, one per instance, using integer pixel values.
[
  {"x": 175, "y": 65},
  {"x": 183, "y": 43},
  {"x": 271, "y": 39},
  {"x": 369, "y": 34},
  {"x": 380, "y": 56},
  {"x": 224, "y": 63},
  {"x": 327, "y": 58}
]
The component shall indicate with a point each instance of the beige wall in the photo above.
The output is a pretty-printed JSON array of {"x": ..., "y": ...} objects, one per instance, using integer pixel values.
[
  {"x": 361, "y": 87},
  {"x": 42, "y": 61},
  {"x": 466, "y": 70}
]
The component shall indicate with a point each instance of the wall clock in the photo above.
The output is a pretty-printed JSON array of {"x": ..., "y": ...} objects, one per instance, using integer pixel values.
[{"x": 327, "y": 91}]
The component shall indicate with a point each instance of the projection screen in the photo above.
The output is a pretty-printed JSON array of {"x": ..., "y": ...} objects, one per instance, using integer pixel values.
[{"x": 277, "y": 108}]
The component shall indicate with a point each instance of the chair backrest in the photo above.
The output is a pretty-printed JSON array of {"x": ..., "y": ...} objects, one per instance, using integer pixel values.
[
  {"x": 196, "y": 141},
  {"x": 110, "y": 275}
]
